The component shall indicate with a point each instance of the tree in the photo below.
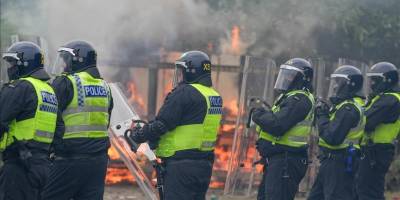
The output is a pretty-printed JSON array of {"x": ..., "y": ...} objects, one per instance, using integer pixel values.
[{"x": 363, "y": 30}]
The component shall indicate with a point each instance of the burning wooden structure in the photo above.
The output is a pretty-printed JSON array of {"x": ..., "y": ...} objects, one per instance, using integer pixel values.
[{"x": 148, "y": 83}]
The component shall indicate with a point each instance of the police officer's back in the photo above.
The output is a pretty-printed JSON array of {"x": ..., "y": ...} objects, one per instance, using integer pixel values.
[
  {"x": 284, "y": 131},
  {"x": 81, "y": 140},
  {"x": 340, "y": 129},
  {"x": 185, "y": 129},
  {"x": 381, "y": 130},
  {"x": 28, "y": 113}
]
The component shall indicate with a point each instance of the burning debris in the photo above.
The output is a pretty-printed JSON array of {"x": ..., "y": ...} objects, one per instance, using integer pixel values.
[{"x": 117, "y": 172}]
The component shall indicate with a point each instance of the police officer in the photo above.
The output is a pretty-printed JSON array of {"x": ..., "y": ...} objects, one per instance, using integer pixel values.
[
  {"x": 185, "y": 130},
  {"x": 28, "y": 113},
  {"x": 340, "y": 129},
  {"x": 381, "y": 129},
  {"x": 284, "y": 131},
  {"x": 81, "y": 139}
]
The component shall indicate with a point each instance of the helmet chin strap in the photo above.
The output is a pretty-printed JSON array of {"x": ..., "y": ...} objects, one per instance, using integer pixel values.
[
  {"x": 379, "y": 89},
  {"x": 340, "y": 98},
  {"x": 12, "y": 73},
  {"x": 197, "y": 79},
  {"x": 82, "y": 69}
]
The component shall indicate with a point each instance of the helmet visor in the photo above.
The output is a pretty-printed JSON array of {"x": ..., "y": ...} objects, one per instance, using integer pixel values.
[
  {"x": 374, "y": 81},
  {"x": 10, "y": 62},
  {"x": 179, "y": 72},
  {"x": 337, "y": 83},
  {"x": 3, "y": 76},
  {"x": 10, "y": 69},
  {"x": 286, "y": 76},
  {"x": 63, "y": 61}
]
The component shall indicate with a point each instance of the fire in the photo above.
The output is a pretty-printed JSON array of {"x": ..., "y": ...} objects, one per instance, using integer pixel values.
[
  {"x": 216, "y": 184},
  {"x": 168, "y": 85},
  {"x": 117, "y": 171},
  {"x": 221, "y": 158},
  {"x": 118, "y": 175},
  {"x": 232, "y": 106},
  {"x": 113, "y": 154},
  {"x": 230, "y": 112},
  {"x": 134, "y": 97},
  {"x": 235, "y": 40},
  {"x": 228, "y": 128}
]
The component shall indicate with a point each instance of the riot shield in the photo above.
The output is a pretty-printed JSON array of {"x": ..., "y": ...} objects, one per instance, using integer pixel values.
[
  {"x": 121, "y": 120},
  {"x": 257, "y": 82},
  {"x": 3, "y": 73}
]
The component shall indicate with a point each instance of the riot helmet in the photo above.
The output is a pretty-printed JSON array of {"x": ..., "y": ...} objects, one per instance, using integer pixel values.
[
  {"x": 191, "y": 67},
  {"x": 75, "y": 56},
  {"x": 382, "y": 77},
  {"x": 296, "y": 73},
  {"x": 345, "y": 82},
  {"x": 23, "y": 59}
]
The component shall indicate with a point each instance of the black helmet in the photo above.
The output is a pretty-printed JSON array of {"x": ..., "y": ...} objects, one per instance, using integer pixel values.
[
  {"x": 74, "y": 57},
  {"x": 23, "y": 58},
  {"x": 346, "y": 81},
  {"x": 191, "y": 67},
  {"x": 296, "y": 73},
  {"x": 382, "y": 77}
]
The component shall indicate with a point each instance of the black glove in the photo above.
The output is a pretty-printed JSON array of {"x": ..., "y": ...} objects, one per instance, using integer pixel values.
[
  {"x": 153, "y": 144},
  {"x": 369, "y": 99},
  {"x": 322, "y": 108},
  {"x": 3, "y": 129},
  {"x": 260, "y": 148},
  {"x": 25, "y": 154},
  {"x": 258, "y": 103},
  {"x": 138, "y": 134},
  {"x": 259, "y": 111}
]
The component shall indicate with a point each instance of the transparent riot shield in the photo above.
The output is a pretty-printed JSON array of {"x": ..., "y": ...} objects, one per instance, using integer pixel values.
[
  {"x": 3, "y": 73},
  {"x": 257, "y": 82},
  {"x": 121, "y": 120}
]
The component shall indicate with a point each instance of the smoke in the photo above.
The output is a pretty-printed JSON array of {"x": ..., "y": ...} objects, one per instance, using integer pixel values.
[
  {"x": 273, "y": 28},
  {"x": 116, "y": 28},
  {"x": 124, "y": 30}
]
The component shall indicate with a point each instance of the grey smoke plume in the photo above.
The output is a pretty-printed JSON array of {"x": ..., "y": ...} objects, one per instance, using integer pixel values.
[
  {"x": 124, "y": 29},
  {"x": 112, "y": 26}
]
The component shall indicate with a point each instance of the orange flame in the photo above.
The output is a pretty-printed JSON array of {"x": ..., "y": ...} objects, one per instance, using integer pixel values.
[
  {"x": 232, "y": 107},
  {"x": 216, "y": 184},
  {"x": 113, "y": 154},
  {"x": 117, "y": 173},
  {"x": 221, "y": 158},
  {"x": 235, "y": 40},
  {"x": 168, "y": 85},
  {"x": 135, "y": 98}
]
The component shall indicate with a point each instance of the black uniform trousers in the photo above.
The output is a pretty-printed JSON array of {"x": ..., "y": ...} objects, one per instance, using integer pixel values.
[
  {"x": 333, "y": 181},
  {"x": 20, "y": 181},
  {"x": 282, "y": 176},
  {"x": 187, "y": 179},
  {"x": 78, "y": 178},
  {"x": 371, "y": 179}
]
